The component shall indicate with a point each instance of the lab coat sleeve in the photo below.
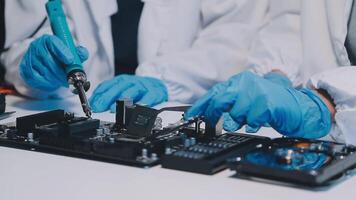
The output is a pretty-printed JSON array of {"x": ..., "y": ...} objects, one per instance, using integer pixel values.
[
  {"x": 218, "y": 52},
  {"x": 340, "y": 84},
  {"x": 22, "y": 18},
  {"x": 278, "y": 45}
]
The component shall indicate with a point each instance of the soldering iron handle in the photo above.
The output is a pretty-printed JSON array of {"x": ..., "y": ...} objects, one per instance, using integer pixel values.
[{"x": 60, "y": 28}]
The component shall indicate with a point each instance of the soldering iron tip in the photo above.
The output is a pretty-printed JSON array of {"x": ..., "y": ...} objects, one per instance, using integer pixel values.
[{"x": 88, "y": 113}]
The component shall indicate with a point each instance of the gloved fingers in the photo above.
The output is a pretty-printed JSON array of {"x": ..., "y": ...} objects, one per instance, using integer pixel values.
[
  {"x": 251, "y": 129},
  {"x": 103, "y": 101},
  {"x": 106, "y": 85},
  {"x": 220, "y": 87},
  {"x": 26, "y": 67},
  {"x": 152, "y": 99},
  {"x": 229, "y": 124},
  {"x": 134, "y": 93},
  {"x": 199, "y": 107},
  {"x": 52, "y": 70},
  {"x": 83, "y": 53},
  {"x": 219, "y": 104},
  {"x": 35, "y": 79},
  {"x": 113, "y": 108},
  {"x": 278, "y": 78},
  {"x": 259, "y": 114},
  {"x": 58, "y": 49},
  {"x": 266, "y": 125},
  {"x": 241, "y": 109},
  {"x": 102, "y": 88}
]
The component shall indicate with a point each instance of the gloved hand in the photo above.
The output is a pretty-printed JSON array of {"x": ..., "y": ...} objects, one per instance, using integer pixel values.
[
  {"x": 255, "y": 101},
  {"x": 142, "y": 90},
  {"x": 278, "y": 78},
  {"x": 42, "y": 65},
  {"x": 275, "y": 77}
]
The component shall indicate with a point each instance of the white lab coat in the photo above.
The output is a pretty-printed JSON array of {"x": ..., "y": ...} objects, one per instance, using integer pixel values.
[
  {"x": 189, "y": 44},
  {"x": 305, "y": 39}
]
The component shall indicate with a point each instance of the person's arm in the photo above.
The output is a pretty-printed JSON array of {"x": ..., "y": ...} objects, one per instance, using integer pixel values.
[
  {"x": 219, "y": 51},
  {"x": 337, "y": 89},
  {"x": 24, "y": 22},
  {"x": 278, "y": 44},
  {"x": 329, "y": 102}
]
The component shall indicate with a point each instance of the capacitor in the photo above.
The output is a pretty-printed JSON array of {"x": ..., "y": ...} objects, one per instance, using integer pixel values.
[
  {"x": 99, "y": 132},
  {"x": 158, "y": 124},
  {"x": 154, "y": 156},
  {"x": 187, "y": 143},
  {"x": 144, "y": 153},
  {"x": 106, "y": 131},
  {"x": 168, "y": 151},
  {"x": 193, "y": 141},
  {"x": 30, "y": 137}
]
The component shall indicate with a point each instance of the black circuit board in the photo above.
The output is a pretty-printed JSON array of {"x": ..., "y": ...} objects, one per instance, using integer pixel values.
[
  {"x": 208, "y": 156},
  {"x": 138, "y": 139},
  {"x": 62, "y": 133}
]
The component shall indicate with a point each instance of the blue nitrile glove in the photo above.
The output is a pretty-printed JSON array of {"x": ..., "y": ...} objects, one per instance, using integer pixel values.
[
  {"x": 255, "y": 101},
  {"x": 142, "y": 90},
  {"x": 278, "y": 78},
  {"x": 275, "y": 77},
  {"x": 42, "y": 65}
]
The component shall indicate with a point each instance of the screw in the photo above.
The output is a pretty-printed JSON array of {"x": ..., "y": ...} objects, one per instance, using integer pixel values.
[
  {"x": 99, "y": 132},
  {"x": 186, "y": 143},
  {"x": 144, "y": 153},
  {"x": 154, "y": 156},
  {"x": 168, "y": 151},
  {"x": 193, "y": 141},
  {"x": 106, "y": 131}
]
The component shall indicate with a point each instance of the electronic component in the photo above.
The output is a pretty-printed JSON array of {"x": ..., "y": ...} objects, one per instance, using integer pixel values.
[
  {"x": 298, "y": 161},
  {"x": 75, "y": 72},
  {"x": 3, "y": 114},
  {"x": 2, "y": 103},
  {"x": 208, "y": 155},
  {"x": 136, "y": 138}
]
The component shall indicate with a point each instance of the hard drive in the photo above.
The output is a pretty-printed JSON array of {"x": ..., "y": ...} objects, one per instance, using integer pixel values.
[{"x": 297, "y": 161}]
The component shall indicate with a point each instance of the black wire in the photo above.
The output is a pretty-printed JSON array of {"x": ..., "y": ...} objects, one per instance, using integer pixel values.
[{"x": 38, "y": 28}]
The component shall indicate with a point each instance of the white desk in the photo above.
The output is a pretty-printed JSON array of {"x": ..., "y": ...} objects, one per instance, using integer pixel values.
[{"x": 32, "y": 175}]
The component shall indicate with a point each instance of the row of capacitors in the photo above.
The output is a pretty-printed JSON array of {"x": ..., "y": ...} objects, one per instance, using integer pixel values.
[
  {"x": 201, "y": 150},
  {"x": 104, "y": 132}
]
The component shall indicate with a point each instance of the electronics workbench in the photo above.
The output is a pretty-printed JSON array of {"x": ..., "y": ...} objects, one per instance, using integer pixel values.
[{"x": 175, "y": 160}]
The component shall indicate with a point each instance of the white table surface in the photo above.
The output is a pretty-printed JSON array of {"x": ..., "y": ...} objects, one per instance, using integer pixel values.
[{"x": 33, "y": 175}]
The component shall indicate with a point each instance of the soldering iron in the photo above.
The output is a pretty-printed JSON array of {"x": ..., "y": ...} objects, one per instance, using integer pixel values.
[{"x": 75, "y": 74}]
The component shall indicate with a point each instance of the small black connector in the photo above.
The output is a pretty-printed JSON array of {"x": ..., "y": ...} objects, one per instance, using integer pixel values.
[{"x": 2, "y": 103}]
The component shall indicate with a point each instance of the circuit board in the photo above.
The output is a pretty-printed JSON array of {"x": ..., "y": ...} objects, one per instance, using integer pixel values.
[
  {"x": 137, "y": 138},
  {"x": 208, "y": 156}
]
